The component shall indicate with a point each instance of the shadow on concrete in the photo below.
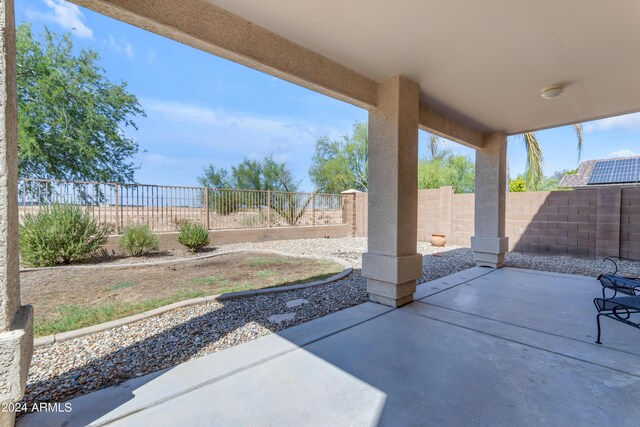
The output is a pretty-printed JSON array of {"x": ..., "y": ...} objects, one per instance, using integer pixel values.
[
  {"x": 481, "y": 347},
  {"x": 197, "y": 333}
]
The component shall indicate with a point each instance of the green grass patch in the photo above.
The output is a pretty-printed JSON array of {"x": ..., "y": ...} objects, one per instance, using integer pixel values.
[
  {"x": 75, "y": 316},
  {"x": 292, "y": 281},
  {"x": 266, "y": 261},
  {"x": 209, "y": 280},
  {"x": 121, "y": 285},
  {"x": 265, "y": 274},
  {"x": 236, "y": 287},
  {"x": 71, "y": 316},
  {"x": 318, "y": 277}
]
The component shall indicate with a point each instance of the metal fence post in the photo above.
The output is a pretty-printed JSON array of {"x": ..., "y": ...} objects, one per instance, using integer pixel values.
[
  {"x": 117, "y": 211},
  {"x": 206, "y": 207},
  {"x": 268, "y": 208},
  {"x": 164, "y": 207}
]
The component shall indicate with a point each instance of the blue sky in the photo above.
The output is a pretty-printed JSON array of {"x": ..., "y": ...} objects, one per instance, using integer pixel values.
[{"x": 202, "y": 109}]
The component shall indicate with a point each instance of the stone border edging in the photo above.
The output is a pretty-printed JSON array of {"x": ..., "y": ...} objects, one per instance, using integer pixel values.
[{"x": 90, "y": 330}]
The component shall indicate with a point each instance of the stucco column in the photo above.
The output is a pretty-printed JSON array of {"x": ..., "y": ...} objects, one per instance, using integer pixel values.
[
  {"x": 16, "y": 322},
  {"x": 391, "y": 264},
  {"x": 489, "y": 244}
]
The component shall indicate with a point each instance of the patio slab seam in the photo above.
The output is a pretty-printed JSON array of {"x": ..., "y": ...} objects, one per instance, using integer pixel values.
[
  {"x": 524, "y": 327},
  {"x": 525, "y": 343},
  {"x": 236, "y": 371},
  {"x": 455, "y": 285},
  {"x": 569, "y": 276},
  {"x": 511, "y": 324}
]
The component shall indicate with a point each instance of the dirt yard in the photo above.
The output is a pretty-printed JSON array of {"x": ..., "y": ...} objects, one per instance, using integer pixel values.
[{"x": 65, "y": 299}]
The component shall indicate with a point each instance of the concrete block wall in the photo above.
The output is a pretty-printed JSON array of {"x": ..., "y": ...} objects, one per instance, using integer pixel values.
[
  {"x": 361, "y": 217},
  {"x": 559, "y": 223},
  {"x": 608, "y": 210},
  {"x": 630, "y": 223},
  {"x": 435, "y": 213},
  {"x": 429, "y": 214},
  {"x": 349, "y": 211},
  {"x": 462, "y": 219},
  {"x": 589, "y": 222}
]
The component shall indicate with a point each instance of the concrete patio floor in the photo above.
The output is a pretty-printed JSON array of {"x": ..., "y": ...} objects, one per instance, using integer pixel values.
[{"x": 481, "y": 347}]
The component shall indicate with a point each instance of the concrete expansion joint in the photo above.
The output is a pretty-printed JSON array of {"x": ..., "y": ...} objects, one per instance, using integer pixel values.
[
  {"x": 522, "y": 342},
  {"x": 486, "y": 273},
  {"x": 260, "y": 361}
]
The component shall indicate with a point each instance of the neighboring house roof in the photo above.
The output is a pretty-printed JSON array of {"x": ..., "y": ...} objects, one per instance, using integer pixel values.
[
  {"x": 581, "y": 177},
  {"x": 586, "y": 168}
]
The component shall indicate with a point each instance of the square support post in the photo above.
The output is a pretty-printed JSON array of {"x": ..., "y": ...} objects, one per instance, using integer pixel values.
[
  {"x": 489, "y": 243},
  {"x": 392, "y": 263},
  {"x": 16, "y": 322}
]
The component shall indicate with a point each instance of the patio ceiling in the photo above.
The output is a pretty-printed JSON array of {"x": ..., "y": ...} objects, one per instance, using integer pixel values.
[{"x": 482, "y": 64}]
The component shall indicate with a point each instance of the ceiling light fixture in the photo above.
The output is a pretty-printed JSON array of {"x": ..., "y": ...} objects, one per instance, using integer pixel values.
[{"x": 552, "y": 91}]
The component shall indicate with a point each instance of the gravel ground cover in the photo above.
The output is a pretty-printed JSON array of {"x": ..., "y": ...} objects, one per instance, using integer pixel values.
[{"x": 65, "y": 369}]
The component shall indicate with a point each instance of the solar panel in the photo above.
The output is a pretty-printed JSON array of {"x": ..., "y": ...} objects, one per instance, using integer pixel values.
[{"x": 615, "y": 171}]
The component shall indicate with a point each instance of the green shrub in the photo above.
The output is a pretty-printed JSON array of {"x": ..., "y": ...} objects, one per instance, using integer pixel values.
[
  {"x": 517, "y": 185},
  {"x": 138, "y": 240},
  {"x": 193, "y": 236},
  {"x": 60, "y": 234}
]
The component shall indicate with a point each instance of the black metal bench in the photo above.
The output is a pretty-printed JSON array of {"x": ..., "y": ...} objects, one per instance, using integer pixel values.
[
  {"x": 624, "y": 301},
  {"x": 618, "y": 308},
  {"x": 619, "y": 284}
]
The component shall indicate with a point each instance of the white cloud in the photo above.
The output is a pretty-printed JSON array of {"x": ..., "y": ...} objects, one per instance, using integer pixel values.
[
  {"x": 255, "y": 156},
  {"x": 122, "y": 46},
  {"x": 65, "y": 14},
  {"x": 181, "y": 112},
  {"x": 197, "y": 114},
  {"x": 151, "y": 55},
  {"x": 282, "y": 157},
  {"x": 622, "y": 153},
  {"x": 236, "y": 133},
  {"x": 160, "y": 160},
  {"x": 279, "y": 157},
  {"x": 626, "y": 122}
]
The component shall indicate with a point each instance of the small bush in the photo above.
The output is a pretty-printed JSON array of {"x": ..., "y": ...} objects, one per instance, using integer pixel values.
[
  {"x": 60, "y": 234},
  {"x": 257, "y": 219},
  {"x": 193, "y": 236},
  {"x": 138, "y": 240}
]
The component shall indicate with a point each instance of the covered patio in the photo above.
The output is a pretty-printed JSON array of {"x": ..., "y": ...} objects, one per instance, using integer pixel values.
[
  {"x": 495, "y": 346},
  {"x": 480, "y": 347}
]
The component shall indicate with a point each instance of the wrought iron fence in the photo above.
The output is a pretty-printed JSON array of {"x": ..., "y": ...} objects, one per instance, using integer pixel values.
[{"x": 165, "y": 208}]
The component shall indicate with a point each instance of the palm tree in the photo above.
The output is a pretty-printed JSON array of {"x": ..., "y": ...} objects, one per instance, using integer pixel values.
[
  {"x": 434, "y": 145},
  {"x": 533, "y": 174}
]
